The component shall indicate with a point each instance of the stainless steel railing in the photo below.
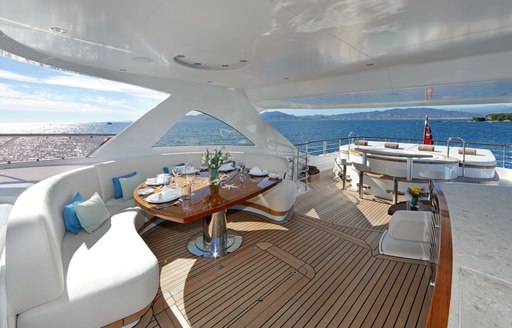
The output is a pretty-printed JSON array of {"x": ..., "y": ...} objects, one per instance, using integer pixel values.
[
  {"x": 34, "y": 147},
  {"x": 15, "y": 148}
]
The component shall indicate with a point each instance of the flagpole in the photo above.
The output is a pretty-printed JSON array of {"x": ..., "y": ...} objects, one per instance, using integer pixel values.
[{"x": 425, "y": 125}]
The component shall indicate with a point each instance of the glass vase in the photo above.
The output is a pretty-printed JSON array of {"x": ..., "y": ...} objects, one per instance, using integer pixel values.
[
  {"x": 414, "y": 203},
  {"x": 214, "y": 179}
]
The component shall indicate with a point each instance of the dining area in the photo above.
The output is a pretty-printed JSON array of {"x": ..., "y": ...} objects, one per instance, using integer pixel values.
[{"x": 190, "y": 194}]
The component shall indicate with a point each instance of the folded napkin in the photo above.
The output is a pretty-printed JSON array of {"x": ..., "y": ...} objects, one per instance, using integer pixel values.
[
  {"x": 166, "y": 191},
  {"x": 257, "y": 171},
  {"x": 151, "y": 181},
  {"x": 162, "y": 178},
  {"x": 226, "y": 167}
]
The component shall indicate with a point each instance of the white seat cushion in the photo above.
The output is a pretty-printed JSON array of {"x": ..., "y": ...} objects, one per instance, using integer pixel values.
[
  {"x": 116, "y": 206},
  {"x": 410, "y": 225},
  {"x": 109, "y": 274},
  {"x": 417, "y": 250}
]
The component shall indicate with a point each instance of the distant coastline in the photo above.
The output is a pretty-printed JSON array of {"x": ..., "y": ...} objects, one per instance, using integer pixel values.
[{"x": 390, "y": 114}]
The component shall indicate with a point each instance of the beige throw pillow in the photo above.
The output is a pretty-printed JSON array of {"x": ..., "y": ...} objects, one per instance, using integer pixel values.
[{"x": 92, "y": 213}]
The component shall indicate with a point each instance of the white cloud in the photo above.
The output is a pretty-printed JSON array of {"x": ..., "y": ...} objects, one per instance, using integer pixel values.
[
  {"x": 44, "y": 101},
  {"x": 91, "y": 83},
  {"x": 16, "y": 77},
  {"x": 66, "y": 79}
]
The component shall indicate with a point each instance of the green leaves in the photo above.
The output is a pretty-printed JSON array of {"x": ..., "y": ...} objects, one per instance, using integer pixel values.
[{"x": 215, "y": 158}]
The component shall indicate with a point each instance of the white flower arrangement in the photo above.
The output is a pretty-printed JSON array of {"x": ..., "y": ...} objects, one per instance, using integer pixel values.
[{"x": 215, "y": 158}]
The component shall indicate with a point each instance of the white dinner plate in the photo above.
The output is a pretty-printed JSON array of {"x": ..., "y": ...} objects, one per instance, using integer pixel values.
[
  {"x": 264, "y": 174},
  {"x": 145, "y": 191},
  {"x": 274, "y": 175},
  {"x": 231, "y": 168},
  {"x": 167, "y": 196}
]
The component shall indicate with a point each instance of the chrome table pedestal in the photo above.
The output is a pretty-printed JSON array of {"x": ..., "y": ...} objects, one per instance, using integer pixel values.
[{"x": 215, "y": 240}]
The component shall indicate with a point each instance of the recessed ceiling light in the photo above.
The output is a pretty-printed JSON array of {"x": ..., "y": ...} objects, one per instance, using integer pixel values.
[
  {"x": 184, "y": 61},
  {"x": 58, "y": 29},
  {"x": 123, "y": 70},
  {"x": 370, "y": 64},
  {"x": 286, "y": 78},
  {"x": 210, "y": 81}
]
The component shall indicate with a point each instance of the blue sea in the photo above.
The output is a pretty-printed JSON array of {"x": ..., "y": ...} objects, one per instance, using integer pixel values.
[{"x": 299, "y": 131}]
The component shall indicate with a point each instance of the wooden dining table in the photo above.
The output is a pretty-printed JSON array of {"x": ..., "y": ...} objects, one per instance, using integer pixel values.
[{"x": 209, "y": 203}]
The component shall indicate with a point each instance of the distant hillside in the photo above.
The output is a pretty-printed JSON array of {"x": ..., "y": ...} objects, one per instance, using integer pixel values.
[
  {"x": 390, "y": 114},
  {"x": 278, "y": 116}
]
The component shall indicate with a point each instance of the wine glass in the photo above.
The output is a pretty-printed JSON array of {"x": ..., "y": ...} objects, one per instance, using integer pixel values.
[
  {"x": 176, "y": 171},
  {"x": 242, "y": 168}
]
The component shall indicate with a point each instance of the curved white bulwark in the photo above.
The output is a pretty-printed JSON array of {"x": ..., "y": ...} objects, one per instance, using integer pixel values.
[{"x": 415, "y": 164}]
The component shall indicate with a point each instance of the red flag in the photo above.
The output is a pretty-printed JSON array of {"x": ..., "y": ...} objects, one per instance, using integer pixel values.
[
  {"x": 428, "y": 93},
  {"x": 427, "y": 133}
]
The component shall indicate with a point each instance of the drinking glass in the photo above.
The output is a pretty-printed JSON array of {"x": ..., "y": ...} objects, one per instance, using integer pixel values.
[{"x": 191, "y": 175}]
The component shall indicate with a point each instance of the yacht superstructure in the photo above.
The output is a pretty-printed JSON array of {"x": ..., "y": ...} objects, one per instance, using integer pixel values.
[{"x": 232, "y": 59}]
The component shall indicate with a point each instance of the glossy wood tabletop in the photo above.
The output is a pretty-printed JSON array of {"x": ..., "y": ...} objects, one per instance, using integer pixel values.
[{"x": 206, "y": 199}]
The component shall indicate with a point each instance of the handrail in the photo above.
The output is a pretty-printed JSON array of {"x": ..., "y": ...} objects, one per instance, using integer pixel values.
[
  {"x": 463, "y": 151},
  {"x": 13, "y": 135},
  {"x": 442, "y": 263},
  {"x": 23, "y": 151},
  {"x": 311, "y": 148},
  {"x": 505, "y": 155}
]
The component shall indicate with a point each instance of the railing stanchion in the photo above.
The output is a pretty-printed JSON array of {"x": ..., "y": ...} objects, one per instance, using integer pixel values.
[{"x": 504, "y": 155}]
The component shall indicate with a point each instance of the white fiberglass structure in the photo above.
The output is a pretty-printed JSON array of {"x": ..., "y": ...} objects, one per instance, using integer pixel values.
[{"x": 232, "y": 59}]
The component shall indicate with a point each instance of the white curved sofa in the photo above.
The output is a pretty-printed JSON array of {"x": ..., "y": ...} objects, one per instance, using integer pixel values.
[{"x": 57, "y": 279}]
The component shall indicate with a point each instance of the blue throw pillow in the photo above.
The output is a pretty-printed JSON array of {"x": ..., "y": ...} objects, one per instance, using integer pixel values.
[
  {"x": 70, "y": 218},
  {"x": 118, "y": 192}
]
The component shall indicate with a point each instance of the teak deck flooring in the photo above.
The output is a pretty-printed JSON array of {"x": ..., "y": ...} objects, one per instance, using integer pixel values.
[{"x": 321, "y": 268}]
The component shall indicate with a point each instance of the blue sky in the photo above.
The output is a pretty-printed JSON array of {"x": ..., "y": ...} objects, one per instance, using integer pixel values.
[
  {"x": 35, "y": 94},
  {"x": 32, "y": 93}
]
